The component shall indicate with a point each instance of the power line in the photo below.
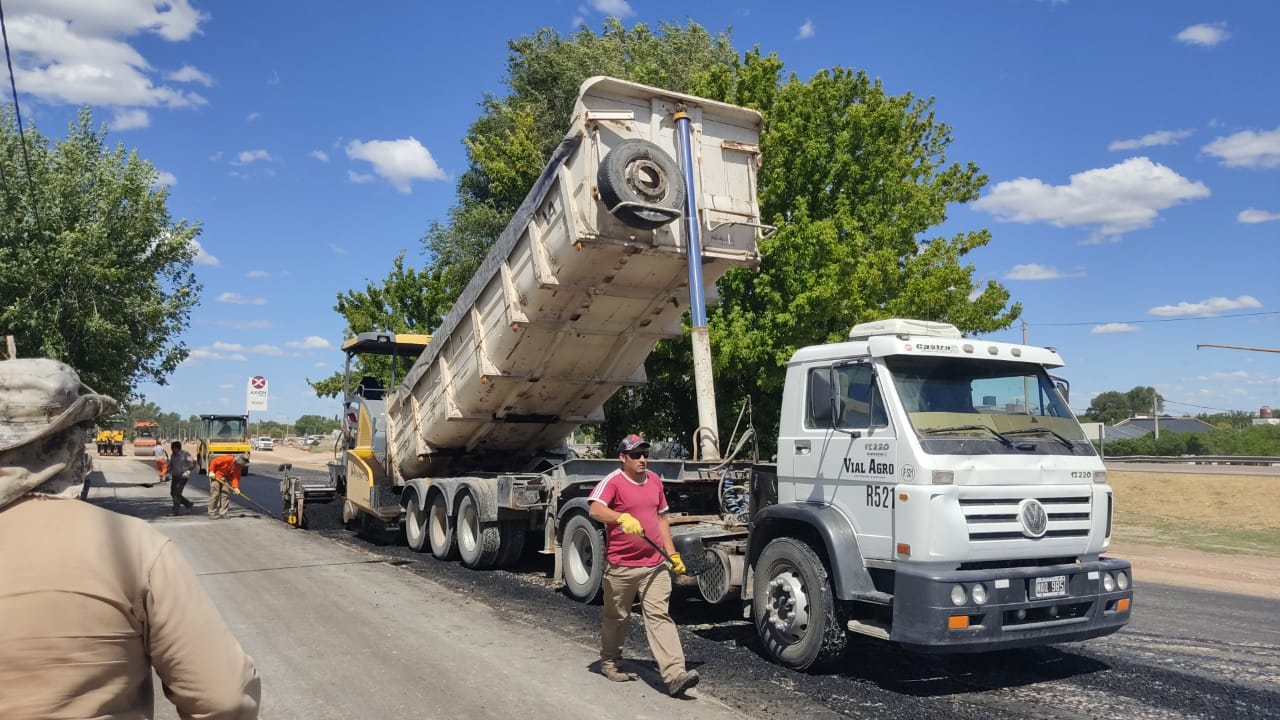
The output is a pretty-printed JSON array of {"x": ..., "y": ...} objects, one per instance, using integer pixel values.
[
  {"x": 1161, "y": 320},
  {"x": 1202, "y": 407},
  {"x": 17, "y": 111}
]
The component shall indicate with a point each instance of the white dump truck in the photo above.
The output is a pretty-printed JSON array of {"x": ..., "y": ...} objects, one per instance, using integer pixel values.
[{"x": 929, "y": 489}]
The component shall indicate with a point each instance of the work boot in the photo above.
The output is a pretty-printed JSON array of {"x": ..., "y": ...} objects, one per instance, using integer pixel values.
[
  {"x": 682, "y": 683},
  {"x": 613, "y": 673}
]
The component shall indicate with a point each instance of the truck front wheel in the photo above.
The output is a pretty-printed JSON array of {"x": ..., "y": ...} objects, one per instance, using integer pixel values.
[
  {"x": 582, "y": 558},
  {"x": 795, "y": 613}
]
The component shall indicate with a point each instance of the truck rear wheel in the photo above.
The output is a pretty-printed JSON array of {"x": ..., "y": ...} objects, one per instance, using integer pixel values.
[
  {"x": 478, "y": 542},
  {"x": 415, "y": 524},
  {"x": 439, "y": 531},
  {"x": 582, "y": 558},
  {"x": 513, "y": 534},
  {"x": 795, "y": 613}
]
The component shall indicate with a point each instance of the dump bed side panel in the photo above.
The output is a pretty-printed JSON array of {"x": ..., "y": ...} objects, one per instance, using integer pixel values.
[{"x": 570, "y": 301}]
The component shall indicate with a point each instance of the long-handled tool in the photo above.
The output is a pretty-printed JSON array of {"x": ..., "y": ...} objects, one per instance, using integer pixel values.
[{"x": 687, "y": 570}]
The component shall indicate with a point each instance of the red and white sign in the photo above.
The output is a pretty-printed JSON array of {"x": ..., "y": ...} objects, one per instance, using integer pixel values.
[{"x": 256, "y": 394}]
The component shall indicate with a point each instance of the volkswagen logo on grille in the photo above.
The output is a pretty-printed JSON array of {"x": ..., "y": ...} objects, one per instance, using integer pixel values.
[{"x": 1035, "y": 521}]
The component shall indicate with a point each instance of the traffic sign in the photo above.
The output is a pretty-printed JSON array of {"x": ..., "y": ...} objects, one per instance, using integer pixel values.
[{"x": 256, "y": 394}]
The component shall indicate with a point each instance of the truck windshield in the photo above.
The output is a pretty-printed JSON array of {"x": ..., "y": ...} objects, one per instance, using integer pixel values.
[{"x": 970, "y": 406}]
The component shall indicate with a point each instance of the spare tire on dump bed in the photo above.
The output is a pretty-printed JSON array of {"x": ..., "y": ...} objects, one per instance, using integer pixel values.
[{"x": 638, "y": 171}]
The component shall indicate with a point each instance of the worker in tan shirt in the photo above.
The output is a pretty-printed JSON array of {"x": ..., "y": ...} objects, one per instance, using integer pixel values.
[{"x": 90, "y": 600}]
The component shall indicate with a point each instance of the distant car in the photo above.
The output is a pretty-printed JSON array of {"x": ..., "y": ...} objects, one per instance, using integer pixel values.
[{"x": 263, "y": 443}]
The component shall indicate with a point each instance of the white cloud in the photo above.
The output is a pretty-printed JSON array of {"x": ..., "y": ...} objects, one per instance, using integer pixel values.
[
  {"x": 189, "y": 73},
  {"x": 253, "y": 116},
  {"x": 244, "y": 324},
  {"x": 250, "y": 156},
  {"x": 77, "y": 52},
  {"x": 320, "y": 364},
  {"x": 204, "y": 257},
  {"x": 337, "y": 249},
  {"x": 356, "y": 177},
  {"x": 238, "y": 299},
  {"x": 165, "y": 178},
  {"x": 320, "y": 155},
  {"x": 1159, "y": 137},
  {"x": 270, "y": 350},
  {"x": 806, "y": 30},
  {"x": 1116, "y": 327},
  {"x": 612, "y": 8},
  {"x": 1204, "y": 34},
  {"x": 1237, "y": 375},
  {"x": 312, "y": 342},
  {"x": 1247, "y": 149},
  {"x": 225, "y": 386},
  {"x": 198, "y": 354},
  {"x": 274, "y": 79},
  {"x": 1254, "y": 215},
  {"x": 129, "y": 119},
  {"x": 257, "y": 274},
  {"x": 1032, "y": 271},
  {"x": 400, "y": 162},
  {"x": 1124, "y": 197},
  {"x": 1209, "y": 307},
  {"x": 227, "y": 347}
]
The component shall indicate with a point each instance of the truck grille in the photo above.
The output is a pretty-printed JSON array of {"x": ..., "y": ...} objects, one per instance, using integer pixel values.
[{"x": 996, "y": 518}]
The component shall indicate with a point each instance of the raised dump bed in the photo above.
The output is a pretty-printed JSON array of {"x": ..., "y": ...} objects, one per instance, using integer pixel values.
[{"x": 572, "y": 298}]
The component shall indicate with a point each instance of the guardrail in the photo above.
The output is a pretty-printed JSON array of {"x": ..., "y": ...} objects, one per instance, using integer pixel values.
[{"x": 1198, "y": 459}]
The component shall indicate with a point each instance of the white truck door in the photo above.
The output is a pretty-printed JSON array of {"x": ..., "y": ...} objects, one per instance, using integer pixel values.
[
  {"x": 865, "y": 462},
  {"x": 843, "y": 461}
]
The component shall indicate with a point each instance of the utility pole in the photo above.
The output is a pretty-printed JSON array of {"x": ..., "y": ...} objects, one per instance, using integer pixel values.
[{"x": 1155, "y": 414}]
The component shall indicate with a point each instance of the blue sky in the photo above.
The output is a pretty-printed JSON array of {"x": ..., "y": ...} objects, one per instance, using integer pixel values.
[{"x": 1133, "y": 150}]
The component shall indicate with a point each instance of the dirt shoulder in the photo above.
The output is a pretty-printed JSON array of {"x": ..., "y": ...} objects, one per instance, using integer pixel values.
[{"x": 1242, "y": 574}]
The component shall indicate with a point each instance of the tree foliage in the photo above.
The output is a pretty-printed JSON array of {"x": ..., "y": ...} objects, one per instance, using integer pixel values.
[
  {"x": 854, "y": 178},
  {"x": 1113, "y": 406},
  {"x": 93, "y": 272},
  {"x": 1251, "y": 441}
]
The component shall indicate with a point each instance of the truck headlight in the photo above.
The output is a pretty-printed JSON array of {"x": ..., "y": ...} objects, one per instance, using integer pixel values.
[
  {"x": 1108, "y": 582},
  {"x": 979, "y": 593},
  {"x": 1122, "y": 580},
  {"x": 958, "y": 595}
]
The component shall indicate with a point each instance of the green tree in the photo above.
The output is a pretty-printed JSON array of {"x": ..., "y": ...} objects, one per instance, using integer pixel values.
[
  {"x": 1113, "y": 406},
  {"x": 93, "y": 271}
]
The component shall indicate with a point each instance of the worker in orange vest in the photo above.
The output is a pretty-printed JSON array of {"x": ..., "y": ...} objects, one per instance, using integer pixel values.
[{"x": 224, "y": 479}]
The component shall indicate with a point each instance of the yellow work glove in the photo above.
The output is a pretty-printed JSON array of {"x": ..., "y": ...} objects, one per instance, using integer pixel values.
[
  {"x": 677, "y": 565},
  {"x": 630, "y": 525},
  {"x": 235, "y": 490}
]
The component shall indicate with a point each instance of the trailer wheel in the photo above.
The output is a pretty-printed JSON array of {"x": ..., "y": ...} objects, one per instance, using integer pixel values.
[
  {"x": 795, "y": 613},
  {"x": 439, "y": 531},
  {"x": 582, "y": 557},
  {"x": 638, "y": 171},
  {"x": 478, "y": 542},
  {"x": 415, "y": 524},
  {"x": 513, "y": 534}
]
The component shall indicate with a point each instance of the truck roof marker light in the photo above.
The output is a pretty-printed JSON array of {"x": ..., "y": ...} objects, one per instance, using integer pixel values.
[
  {"x": 904, "y": 549},
  {"x": 968, "y": 348},
  {"x": 958, "y": 622},
  {"x": 993, "y": 350},
  {"x": 1017, "y": 352},
  {"x": 944, "y": 477}
]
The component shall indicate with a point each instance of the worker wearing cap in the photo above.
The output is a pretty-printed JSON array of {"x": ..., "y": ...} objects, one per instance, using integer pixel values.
[
  {"x": 632, "y": 505},
  {"x": 224, "y": 479},
  {"x": 92, "y": 602}
]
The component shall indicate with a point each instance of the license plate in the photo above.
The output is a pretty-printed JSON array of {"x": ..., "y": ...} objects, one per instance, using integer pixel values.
[{"x": 1050, "y": 587}]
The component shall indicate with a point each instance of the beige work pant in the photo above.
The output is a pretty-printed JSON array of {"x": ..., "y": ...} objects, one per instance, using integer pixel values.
[
  {"x": 621, "y": 584},
  {"x": 219, "y": 497}
]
